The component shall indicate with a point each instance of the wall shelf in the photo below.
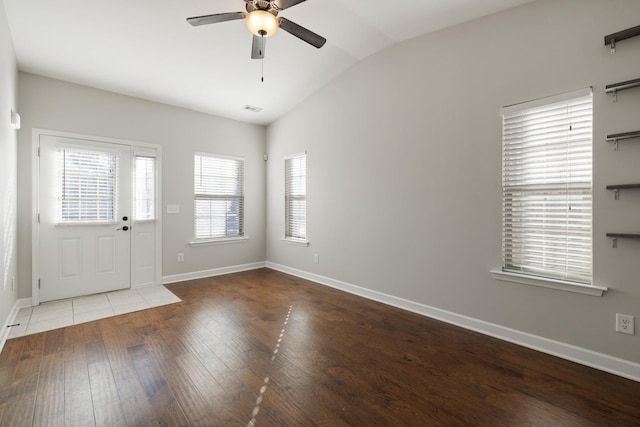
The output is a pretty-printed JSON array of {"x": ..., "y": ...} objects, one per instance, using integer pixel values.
[
  {"x": 614, "y": 38},
  {"x": 622, "y": 85},
  {"x": 625, "y": 135},
  {"x": 622, "y": 186},
  {"x": 615, "y": 87},
  {"x": 622, "y": 136},
  {"x": 624, "y": 235},
  {"x": 616, "y": 236},
  {"x": 617, "y": 187}
]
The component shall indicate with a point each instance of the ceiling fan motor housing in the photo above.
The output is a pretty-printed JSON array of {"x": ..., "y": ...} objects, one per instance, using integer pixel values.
[{"x": 266, "y": 5}]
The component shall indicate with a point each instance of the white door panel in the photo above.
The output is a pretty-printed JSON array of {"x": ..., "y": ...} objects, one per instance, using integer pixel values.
[
  {"x": 145, "y": 244},
  {"x": 84, "y": 246},
  {"x": 106, "y": 255},
  {"x": 70, "y": 258}
]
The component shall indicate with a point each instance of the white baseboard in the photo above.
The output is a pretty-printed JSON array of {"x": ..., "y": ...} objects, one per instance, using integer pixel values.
[
  {"x": 600, "y": 361},
  {"x": 4, "y": 334},
  {"x": 210, "y": 273}
]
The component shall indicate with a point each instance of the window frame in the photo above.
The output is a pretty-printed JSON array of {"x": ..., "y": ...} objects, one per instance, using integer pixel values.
[
  {"x": 211, "y": 239},
  {"x": 288, "y": 237},
  {"x": 532, "y": 274}
]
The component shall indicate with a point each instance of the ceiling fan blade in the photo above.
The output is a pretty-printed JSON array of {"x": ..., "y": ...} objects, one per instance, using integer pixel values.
[
  {"x": 257, "y": 48},
  {"x": 302, "y": 33},
  {"x": 213, "y": 19},
  {"x": 284, "y": 4}
]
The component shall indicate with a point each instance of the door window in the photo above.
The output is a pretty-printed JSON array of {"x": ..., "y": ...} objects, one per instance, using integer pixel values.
[
  {"x": 87, "y": 186},
  {"x": 145, "y": 188}
]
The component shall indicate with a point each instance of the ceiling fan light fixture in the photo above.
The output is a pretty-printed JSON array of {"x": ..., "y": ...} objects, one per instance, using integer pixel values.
[{"x": 262, "y": 23}]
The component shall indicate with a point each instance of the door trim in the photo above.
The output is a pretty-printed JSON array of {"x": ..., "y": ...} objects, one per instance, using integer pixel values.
[{"x": 35, "y": 198}]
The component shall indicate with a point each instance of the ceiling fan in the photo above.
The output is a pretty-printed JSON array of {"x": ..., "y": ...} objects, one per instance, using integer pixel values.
[{"x": 263, "y": 21}]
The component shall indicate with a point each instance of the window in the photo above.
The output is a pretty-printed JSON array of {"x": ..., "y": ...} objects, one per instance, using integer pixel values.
[
  {"x": 87, "y": 186},
  {"x": 295, "y": 184},
  {"x": 547, "y": 188},
  {"x": 219, "y": 199},
  {"x": 145, "y": 188}
]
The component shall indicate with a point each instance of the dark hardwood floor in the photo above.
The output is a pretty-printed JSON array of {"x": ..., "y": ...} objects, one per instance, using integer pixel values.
[{"x": 262, "y": 348}]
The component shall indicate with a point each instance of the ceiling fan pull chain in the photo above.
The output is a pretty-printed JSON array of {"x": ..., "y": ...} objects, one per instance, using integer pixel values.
[{"x": 262, "y": 60}]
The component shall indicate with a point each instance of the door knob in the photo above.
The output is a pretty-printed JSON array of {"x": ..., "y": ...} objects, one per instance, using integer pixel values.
[
  {"x": 125, "y": 218},
  {"x": 125, "y": 228}
]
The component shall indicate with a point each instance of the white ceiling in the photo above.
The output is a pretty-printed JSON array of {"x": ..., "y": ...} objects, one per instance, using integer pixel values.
[{"x": 146, "y": 49}]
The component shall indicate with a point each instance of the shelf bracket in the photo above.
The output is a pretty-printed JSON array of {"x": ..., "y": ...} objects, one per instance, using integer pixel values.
[
  {"x": 614, "y": 93},
  {"x": 614, "y": 243},
  {"x": 616, "y": 194},
  {"x": 612, "y": 50}
]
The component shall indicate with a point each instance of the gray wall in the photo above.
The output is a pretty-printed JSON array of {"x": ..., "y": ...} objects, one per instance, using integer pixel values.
[
  {"x": 8, "y": 164},
  {"x": 55, "y": 105},
  {"x": 404, "y": 168}
]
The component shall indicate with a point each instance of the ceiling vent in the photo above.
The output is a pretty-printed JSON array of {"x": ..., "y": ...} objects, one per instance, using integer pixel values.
[{"x": 252, "y": 108}]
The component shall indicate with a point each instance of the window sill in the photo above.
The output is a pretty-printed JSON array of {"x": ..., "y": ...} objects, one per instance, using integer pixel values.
[
  {"x": 295, "y": 242},
  {"x": 561, "y": 285},
  {"x": 85, "y": 224},
  {"x": 221, "y": 241}
]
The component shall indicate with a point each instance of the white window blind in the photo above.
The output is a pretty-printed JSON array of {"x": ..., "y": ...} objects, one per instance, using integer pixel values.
[
  {"x": 87, "y": 186},
  {"x": 145, "y": 188},
  {"x": 547, "y": 188},
  {"x": 219, "y": 199},
  {"x": 295, "y": 183}
]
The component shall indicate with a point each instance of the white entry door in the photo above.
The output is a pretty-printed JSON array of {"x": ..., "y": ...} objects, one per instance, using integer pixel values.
[{"x": 84, "y": 209}]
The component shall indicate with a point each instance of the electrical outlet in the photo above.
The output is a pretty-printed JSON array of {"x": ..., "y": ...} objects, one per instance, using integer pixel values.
[
  {"x": 180, "y": 257},
  {"x": 625, "y": 324},
  {"x": 316, "y": 258}
]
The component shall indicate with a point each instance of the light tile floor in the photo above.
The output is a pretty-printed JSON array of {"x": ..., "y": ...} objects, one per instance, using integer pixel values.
[{"x": 58, "y": 314}]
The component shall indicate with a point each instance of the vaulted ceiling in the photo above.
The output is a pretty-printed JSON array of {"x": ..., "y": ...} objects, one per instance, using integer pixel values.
[{"x": 145, "y": 48}]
